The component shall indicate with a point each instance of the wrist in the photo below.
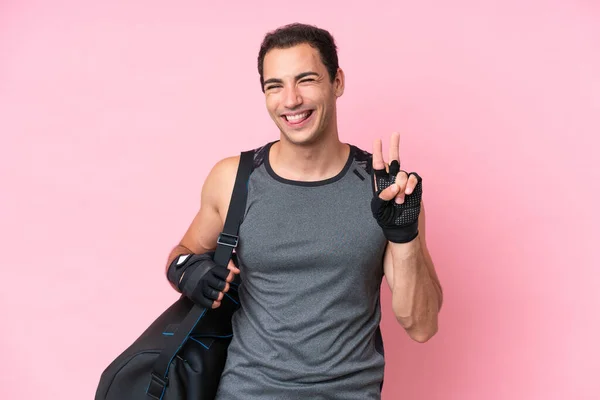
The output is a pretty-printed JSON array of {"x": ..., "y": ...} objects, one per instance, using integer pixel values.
[
  {"x": 181, "y": 268},
  {"x": 402, "y": 235},
  {"x": 405, "y": 250},
  {"x": 176, "y": 270}
]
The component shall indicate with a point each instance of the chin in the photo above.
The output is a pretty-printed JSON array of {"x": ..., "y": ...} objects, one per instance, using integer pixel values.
[{"x": 301, "y": 138}]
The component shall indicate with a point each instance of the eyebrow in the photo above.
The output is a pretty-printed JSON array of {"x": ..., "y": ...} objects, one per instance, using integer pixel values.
[{"x": 298, "y": 77}]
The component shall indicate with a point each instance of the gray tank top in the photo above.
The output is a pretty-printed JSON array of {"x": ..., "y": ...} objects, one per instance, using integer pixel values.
[{"x": 311, "y": 261}]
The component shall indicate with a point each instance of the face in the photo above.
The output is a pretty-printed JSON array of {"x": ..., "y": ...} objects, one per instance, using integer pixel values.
[{"x": 300, "y": 97}]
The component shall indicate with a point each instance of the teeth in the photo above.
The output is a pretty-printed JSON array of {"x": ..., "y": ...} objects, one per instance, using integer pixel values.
[{"x": 296, "y": 117}]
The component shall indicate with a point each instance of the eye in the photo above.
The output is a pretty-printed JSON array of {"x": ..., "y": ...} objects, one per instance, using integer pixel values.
[
  {"x": 272, "y": 87},
  {"x": 307, "y": 80}
]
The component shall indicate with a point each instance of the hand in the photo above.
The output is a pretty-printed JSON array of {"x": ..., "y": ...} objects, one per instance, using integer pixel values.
[
  {"x": 396, "y": 204},
  {"x": 202, "y": 280}
]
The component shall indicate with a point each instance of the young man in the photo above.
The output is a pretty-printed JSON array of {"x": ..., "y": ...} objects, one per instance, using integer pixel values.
[{"x": 324, "y": 222}]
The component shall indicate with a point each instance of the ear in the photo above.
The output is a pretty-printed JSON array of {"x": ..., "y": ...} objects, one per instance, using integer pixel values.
[{"x": 338, "y": 83}]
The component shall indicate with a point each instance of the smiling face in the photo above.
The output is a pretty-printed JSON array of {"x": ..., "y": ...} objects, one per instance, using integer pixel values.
[{"x": 300, "y": 97}]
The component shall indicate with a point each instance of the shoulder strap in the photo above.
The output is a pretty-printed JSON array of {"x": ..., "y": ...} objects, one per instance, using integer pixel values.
[
  {"x": 226, "y": 242},
  {"x": 228, "y": 239}
]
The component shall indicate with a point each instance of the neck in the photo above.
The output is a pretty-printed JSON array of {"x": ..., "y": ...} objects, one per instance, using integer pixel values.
[{"x": 316, "y": 161}]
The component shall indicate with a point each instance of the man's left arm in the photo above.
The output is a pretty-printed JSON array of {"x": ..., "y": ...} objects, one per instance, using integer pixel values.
[{"x": 416, "y": 289}]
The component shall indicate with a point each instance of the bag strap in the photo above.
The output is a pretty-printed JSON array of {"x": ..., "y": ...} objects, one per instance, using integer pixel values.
[{"x": 227, "y": 241}]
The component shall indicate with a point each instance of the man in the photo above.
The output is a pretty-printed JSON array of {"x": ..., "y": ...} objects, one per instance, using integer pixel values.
[{"x": 324, "y": 223}]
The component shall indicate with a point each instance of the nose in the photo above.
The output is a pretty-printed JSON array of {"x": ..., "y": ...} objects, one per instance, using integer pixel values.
[{"x": 291, "y": 97}]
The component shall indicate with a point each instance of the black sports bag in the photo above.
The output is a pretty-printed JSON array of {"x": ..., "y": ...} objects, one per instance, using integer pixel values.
[{"x": 182, "y": 354}]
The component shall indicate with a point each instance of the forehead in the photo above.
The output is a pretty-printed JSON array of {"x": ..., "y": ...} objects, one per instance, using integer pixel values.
[{"x": 279, "y": 63}]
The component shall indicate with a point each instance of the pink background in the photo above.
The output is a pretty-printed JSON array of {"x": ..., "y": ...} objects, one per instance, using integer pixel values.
[{"x": 112, "y": 112}]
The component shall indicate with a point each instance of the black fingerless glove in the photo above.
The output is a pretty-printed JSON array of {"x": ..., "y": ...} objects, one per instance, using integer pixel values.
[
  {"x": 202, "y": 279},
  {"x": 400, "y": 222}
]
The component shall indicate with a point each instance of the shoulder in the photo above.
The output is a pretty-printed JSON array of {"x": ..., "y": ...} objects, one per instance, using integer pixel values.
[
  {"x": 362, "y": 157},
  {"x": 225, "y": 170},
  {"x": 222, "y": 171},
  {"x": 219, "y": 182}
]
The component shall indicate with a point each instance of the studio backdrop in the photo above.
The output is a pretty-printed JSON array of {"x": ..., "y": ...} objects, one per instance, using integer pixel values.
[{"x": 112, "y": 114}]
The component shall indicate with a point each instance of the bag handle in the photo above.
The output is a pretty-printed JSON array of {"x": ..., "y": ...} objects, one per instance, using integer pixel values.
[{"x": 227, "y": 241}]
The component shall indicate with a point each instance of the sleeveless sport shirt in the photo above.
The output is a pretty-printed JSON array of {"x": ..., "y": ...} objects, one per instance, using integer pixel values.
[{"x": 311, "y": 261}]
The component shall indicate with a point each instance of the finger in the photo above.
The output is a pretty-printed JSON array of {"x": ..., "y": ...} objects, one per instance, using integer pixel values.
[
  {"x": 394, "y": 168},
  {"x": 216, "y": 304},
  {"x": 215, "y": 282},
  {"x": 378, "y": 162},
  {"x": 212, "y": 294},
  {"x": 230, "y": 277},
  {"x": 232, "y": 267},
  {"x": 401, "y": 181},
  {"x": 395, "y": 147},
  {"x": 389, "y": 193},
  {"x": 226, "y": 289},
  {"x": 412, "y": 183}
]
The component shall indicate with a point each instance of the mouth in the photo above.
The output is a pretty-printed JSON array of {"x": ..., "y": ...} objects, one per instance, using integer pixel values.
[{"x": 297, "y": 119}]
